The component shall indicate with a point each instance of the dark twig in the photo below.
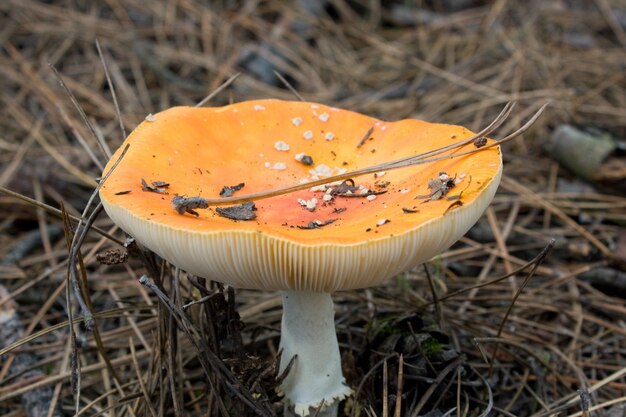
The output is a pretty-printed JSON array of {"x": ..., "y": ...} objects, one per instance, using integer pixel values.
[
  {"x": 86, "y": 147},
  {"x": 113, "y": 95},
  {"x": 72, "y": 267},
  {"x": 74, "y": 361},
  {"x": 431, "y": 285},
  {"x": 200, "y": 301},
  {"x": 142, "y": 385},
  {"x": 440, "y": 377},
  {"x": 288, "y": 85},
  {"x": 365, "y": 137},
  {"x": 399, "y": 387},
  {"x": 210, "y": 363},
  {"x": 218, "y": 90},
  {"x": 391, "y": 165},
  {"x": 82, "y": 113},
  {"x": 536, "y": 355},
  {"x": 531, "y": 273},
  {"x": 319, "y": 408},
  {"x": 487, "y": 410},
  {"x": 369, "y": 373},
  {"x": 585, "y": 402},
  {"x": 172, "y": 349},
  {"x": 449, "y": 412},
  {"x": 78, "y": 239},
  {"x": 533, "y": 262},
  {"x": 58, "y": 213},
  {"x": 281, "y": 377},
  {"x": 52, "y": 328}
]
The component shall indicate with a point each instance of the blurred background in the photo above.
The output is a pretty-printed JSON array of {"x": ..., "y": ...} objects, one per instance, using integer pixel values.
[{"x": 450, "y": 61}]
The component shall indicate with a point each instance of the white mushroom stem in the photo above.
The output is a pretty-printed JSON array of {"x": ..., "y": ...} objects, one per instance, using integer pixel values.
[{"x": 308, "y": 331}]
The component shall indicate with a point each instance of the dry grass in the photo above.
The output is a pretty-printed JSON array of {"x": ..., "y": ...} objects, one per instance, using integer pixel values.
[{"x": 472, "y": 350}]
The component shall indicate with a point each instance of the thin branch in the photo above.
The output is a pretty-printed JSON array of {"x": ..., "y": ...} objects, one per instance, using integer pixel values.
[
  {"x": 396, "y": 164},
  {"x": 288, "y": 85},
  {"x": 440, "y": 377},
  {"x": 82, "y": 113},
  {"x": 365, "y": 137},
  {"x": 433, "y": 291},
  {"x": 531, "y": 273},
  {"x": 113, "y": 95},
  {"x": 79, "y": 237},
  {"x": 79, "y": 137},
  {"x": 533, "y": 262},
  {"x": 58, "y": 213},
  {"x": 208, "y": 360},
  {"x": 77, "y": 241},
  {"x": 218, "y": 90},
  {"x": 487, "y": 410}
]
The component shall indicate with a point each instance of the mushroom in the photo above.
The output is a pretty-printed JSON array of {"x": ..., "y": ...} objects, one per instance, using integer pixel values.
[{"x": 347, "y": 242}]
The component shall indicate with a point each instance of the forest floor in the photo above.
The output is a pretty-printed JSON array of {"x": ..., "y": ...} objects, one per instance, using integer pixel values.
[{"x": 507, "y": 322}]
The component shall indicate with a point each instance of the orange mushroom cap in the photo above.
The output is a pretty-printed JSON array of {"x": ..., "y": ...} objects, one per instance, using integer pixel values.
[{"x": 198, "y": 151}]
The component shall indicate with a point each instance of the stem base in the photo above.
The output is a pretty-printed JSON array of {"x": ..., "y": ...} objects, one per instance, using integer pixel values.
[{"x": 308, "y": 331}]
